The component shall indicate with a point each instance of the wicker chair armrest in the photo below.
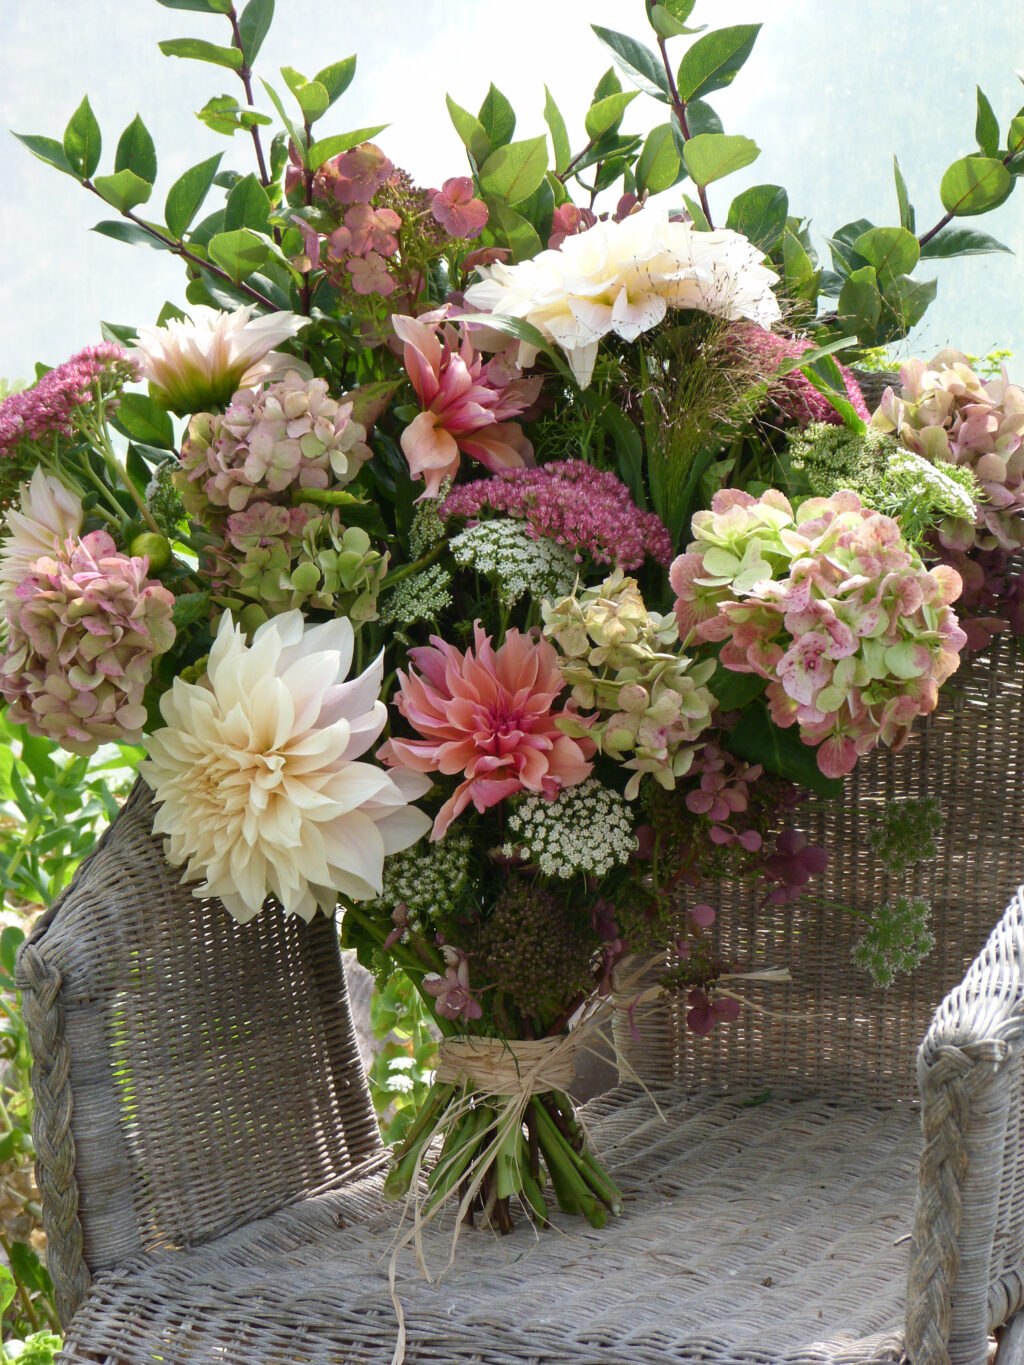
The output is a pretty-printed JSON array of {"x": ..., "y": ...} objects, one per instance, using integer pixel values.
[{"x": 966, "y": 1271}]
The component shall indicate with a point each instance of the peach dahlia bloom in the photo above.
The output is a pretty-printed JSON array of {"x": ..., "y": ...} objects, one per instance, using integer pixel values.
[{"x": 488, "y": 714}]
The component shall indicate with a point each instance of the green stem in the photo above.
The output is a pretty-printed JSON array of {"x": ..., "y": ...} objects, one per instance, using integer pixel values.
[
  {"x": 407, "y": 570},
  {"x": 23, "y": 1294},
  {"x": 679, "y": 106},
  {"x": 119, "y": 473}
]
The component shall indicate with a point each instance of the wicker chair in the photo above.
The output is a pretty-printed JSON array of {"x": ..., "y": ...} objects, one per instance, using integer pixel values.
[{"x": 210, "y": 1167}]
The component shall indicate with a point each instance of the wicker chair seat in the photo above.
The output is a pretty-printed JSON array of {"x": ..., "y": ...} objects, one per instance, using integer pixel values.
[{"x": 756, "y": 1228}]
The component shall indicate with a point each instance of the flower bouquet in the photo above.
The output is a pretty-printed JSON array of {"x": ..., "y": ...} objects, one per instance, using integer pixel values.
[{"x": 517, "y": 565}]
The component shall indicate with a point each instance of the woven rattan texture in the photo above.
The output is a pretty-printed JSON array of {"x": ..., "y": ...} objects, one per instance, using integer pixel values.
[
  {"x": 754, "y": 1230},
  {"x": 832, "y": 1029},
  {"x": 215, "y": 1073}
]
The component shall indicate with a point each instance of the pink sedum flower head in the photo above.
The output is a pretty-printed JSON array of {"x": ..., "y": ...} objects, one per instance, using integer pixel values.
[
  {"x": 195, "y": 366},
  {"x": 271, "y": 440},
  {"x": 259, "y": 777},
  {"x": 623, "y": 277},
  {"x": 83, "y": 632},
  {"x": 466, "y": 402},
  {"x": 946, "y": 413},
  {"x": 795, "y": 397},
  {"x": 829, "y": 604},
  {"x": 488, "y": 716},
  {"x": 47, "y": 516}
]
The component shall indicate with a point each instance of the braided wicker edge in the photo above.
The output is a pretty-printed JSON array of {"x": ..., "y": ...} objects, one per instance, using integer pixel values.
[{"x": 40, "y": 982}]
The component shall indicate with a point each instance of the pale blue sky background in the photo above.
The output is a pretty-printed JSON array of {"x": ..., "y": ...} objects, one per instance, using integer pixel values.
[{"x": 832, "y": 90}]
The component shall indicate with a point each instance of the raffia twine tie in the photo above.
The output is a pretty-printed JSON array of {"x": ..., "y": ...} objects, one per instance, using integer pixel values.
[{"x": 500, "y": 1066}]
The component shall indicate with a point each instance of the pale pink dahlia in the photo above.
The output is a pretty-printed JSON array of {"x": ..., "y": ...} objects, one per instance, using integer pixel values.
[
  {"x": 488, "y": 715},
  {"x": 83, "y": 632},
  {"x": 466, "y": 401}
]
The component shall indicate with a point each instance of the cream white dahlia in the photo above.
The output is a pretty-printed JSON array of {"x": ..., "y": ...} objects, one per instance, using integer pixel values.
[
  {"x": 258, "y": 778},
  {"x": 195, "y": 366},
  {"x": 48, "y": 515},
  {"x": 624, "y": 277}
]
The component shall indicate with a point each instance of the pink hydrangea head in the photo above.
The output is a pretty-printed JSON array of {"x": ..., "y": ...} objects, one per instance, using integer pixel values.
[
  {"x": 490, "y": 716},
  {"x": 83, "y": 632},
  {"x": 947, "y": 413},
  {"x": 355, "y": 176},
  {"x": 269, "y": 442}
]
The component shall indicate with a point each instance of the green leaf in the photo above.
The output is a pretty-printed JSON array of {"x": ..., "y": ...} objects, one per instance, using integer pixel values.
[
  {"x": 701, "y": 118},
  {"x": 638, "y": 62},
  {"x": 522, "y": 331},
  {"x": 186, "y": 195},
  {"x": 470, "y": 130},
  {"x": 757, "y": 740},
  {"x": 341, "y": 142},
  {"x": 497, "y": 118},
  {"x": 1015, "y": 137},
  {"x": 908, "y": 300},
  {"x": 559, "y": 136},
  {"x": 253, "y": 27},
  {"x": 248, "y": 206},
  {"x": 891, "y": 250},
  {"x": 710, "y": 156},
  {"x": 223, "y": 114},
  {"x": 141, "y": 419},
  {"x": 294, "y": 132},
  {"x": 47, "y": 149},
  {"x": 239, "y": 253},
  {"x": 666, "y": 23},
  {"x": 606, "y": 115},
  {"x": 713, "y": 61},
  {"x": 82, "y": 141},
  {"x": 124, "y": 190},
  {"x": 201, "y": 6},
  {"x": 609, "y": 84},
  {"x": 129, "y": 233},
  {"x": 168, "y": 311},
  {"x": 733, "y": 691},
  {"x": 801, "y": 276},
  {"x": 957, "y": 241},
  {"x": 539, "y": 209},
  {"x": 136, "y": 152},
  {"x": 514, "y": 171},
  {"x": 860, "y": 304},
  {"x": 511, "y": 229},
  {"x": 975, "y": 184},
  {"x": 8, "y": 1289},
  {"x": 697, "y": 214},
  {"x": 760, "y": 213},
  {"x": 824, "y": 375},
  {"x": 337, "y": 77},
  {"x": 199, "y": 51},
  {"x": 986, "y": 127},
  {"x": 657, "y": 166},
  {"x": 907, "y": 219}
]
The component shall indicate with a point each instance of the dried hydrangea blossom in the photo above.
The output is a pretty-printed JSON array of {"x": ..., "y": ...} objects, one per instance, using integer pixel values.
[
  {"x": 625, "y": 661},
  {"x": 517, "y": 563},
  {"x": 948, "y": 414},
  {"x": 84, "y": 629},
  {"x": 585, "y": 830},
  {"x": 829, "y": 605}
]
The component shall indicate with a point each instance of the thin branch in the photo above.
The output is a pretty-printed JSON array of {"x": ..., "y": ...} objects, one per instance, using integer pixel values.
[
  {"x": 563, "y": 176},
  {"x": 179, "y": 248},
  {"x": 245, "y": 76},
  {"x": 679, "y": 107}
]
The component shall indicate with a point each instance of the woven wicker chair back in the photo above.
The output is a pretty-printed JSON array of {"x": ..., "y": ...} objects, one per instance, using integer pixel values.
[
  {"x": 214, "y": 1069},
  {"x": 832, "y": 1030}
]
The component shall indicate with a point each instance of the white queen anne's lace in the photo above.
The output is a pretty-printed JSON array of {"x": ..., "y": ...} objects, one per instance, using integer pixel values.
[
  {"x": 586, "y": 829},
  {"x": 517, "y": 562}
]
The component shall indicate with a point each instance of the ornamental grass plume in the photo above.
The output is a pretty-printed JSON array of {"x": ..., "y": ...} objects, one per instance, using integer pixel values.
[
  {"x": 587, "y": 510},
  {"x": 623, "y": 277},
  {"x": 853, "y": 635},
  {"x": 84, "y": 629},
  {"x": 257, "y": 772},
  {"x": 270, "y": 443},
  {"x": 947, "y": 413},
  {"x": 47, "y": 515},
  {"x": 196, "y": 365},
  {"x": 466, "y": 403},
  {"x": 488, "y": 715}
]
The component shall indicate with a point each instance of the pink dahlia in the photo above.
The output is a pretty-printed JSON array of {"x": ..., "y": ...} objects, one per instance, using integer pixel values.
[
  {"x": 466, "y": 401},
  {"x": 488, "y": 714}
]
